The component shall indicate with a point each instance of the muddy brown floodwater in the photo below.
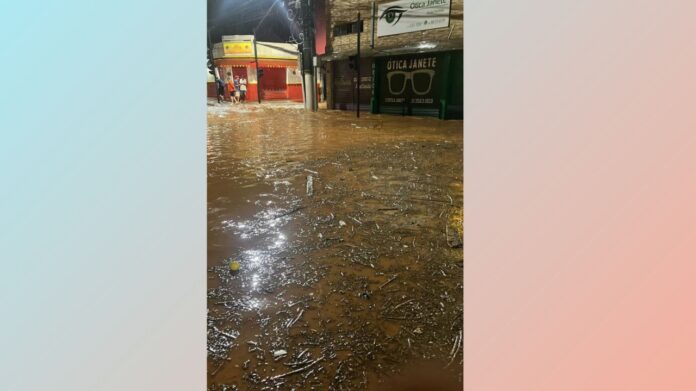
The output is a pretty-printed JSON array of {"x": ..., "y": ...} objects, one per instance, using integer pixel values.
[{"x": 348, "y": 233}]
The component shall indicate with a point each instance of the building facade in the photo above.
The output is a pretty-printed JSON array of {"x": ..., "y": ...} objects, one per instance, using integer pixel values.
[
  {"x": 281, "y": 79},
  {"x": 411, "y": 56}
]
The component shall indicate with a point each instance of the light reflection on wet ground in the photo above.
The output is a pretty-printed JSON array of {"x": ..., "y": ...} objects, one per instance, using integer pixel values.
[{"x": 342, "y": 287}]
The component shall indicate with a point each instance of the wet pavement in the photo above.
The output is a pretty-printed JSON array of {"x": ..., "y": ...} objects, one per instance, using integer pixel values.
[{"x": 348, "y": 236}]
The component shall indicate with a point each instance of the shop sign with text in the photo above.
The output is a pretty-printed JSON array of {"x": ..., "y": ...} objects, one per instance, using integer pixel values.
[
  {"x": 405, "y": 16},
  {"x": 231, "y": 49},
  {"x": 411, "y": 80}
]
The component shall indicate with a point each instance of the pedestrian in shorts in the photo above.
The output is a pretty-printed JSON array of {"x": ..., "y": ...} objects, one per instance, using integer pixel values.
[
  {"x": 230, "y": 88},
  {"x": 243, "y": 88}
]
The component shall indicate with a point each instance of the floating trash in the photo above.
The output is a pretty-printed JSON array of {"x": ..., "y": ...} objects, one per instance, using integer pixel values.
[
  {"x": 279, "y": 353},
  {"x": 310, "y": 185},
  {"x": 234, "y": 266},
  {"x": 323, "y": 303}
]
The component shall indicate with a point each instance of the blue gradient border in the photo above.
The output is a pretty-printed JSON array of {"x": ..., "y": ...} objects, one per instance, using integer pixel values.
[{"x": 102, "y": 190}]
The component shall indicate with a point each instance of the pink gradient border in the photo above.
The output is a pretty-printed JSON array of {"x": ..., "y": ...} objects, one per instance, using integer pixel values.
[{"x": 580, "y": 196}]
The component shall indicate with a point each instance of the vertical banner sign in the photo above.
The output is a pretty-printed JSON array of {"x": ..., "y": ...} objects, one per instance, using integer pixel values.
[
  {"x": 404, "y": 16},
  {"x": 411, "y": 82}
]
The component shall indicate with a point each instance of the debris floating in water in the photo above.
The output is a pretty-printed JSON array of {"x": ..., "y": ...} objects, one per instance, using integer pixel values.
[
  {"x": 297, "y": 370},
  {"x": 387, "y": 282},
  {"x": 313, "y": 287},
  {"x": 310, "y": 185},
  {"x": 292, "y": 322},
  {"x": 234, "y": 266}
]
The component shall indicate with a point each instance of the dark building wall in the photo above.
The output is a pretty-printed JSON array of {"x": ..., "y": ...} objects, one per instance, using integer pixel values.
[
  {"x": 442, "y": 99},
  {"x": 341, "y": 11},
  {"x": 455, "y": 102},
  {"x": 343, "y": 84}
]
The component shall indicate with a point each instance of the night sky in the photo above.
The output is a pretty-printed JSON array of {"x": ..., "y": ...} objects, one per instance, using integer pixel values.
[{"x": 229, "y": 17}]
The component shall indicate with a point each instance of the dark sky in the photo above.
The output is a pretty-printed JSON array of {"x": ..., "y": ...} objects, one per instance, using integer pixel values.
[{"x": 229, "y": 17}]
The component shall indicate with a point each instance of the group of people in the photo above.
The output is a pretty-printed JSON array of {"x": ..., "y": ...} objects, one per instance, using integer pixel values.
[{"x": 237, "y": 88}]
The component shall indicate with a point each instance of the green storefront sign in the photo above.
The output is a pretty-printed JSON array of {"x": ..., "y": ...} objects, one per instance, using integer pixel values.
[{"x": 428, "y": 84}]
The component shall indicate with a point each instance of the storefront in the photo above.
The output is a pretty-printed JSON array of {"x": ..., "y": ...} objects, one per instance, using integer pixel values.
[
  {"x": 411, "y": 57},
  {"x": 425, "y": 84},
  {"x": 344, "y": 80},
  {"x": 281, "y": 80},
  {"x": 422, "y": 84}
]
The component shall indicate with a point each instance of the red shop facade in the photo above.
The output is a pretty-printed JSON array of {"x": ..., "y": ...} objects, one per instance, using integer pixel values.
[{"x": 281, "y": 79}]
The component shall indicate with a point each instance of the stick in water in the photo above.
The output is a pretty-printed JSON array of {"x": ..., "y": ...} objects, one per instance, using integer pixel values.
[
  {"x": 297, "y": 370},
  {"x": 390, "y": 280}
]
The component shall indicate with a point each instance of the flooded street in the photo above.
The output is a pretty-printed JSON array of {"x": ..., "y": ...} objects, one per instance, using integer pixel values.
[{"x": 347, "y": 233}]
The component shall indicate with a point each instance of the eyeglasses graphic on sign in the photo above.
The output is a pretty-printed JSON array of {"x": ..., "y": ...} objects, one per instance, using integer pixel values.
[{"x": 421, "y": 81}]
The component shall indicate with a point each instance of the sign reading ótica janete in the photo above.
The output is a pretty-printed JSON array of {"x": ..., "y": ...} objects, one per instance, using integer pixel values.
[
  {"x": 405, "y": 16},
  {"x": 411, "y": 80}
]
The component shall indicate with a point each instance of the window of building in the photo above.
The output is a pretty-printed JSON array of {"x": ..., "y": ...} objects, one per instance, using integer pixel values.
[{"x": 347, "y": 28}]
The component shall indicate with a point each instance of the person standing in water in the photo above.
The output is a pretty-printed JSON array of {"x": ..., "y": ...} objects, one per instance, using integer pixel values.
[
  {"x": 243, "y": 88},
  {"x": 230, "y": 88},
  {"x": 237, "y": 89},
  {"x": 220, "y": 86}
]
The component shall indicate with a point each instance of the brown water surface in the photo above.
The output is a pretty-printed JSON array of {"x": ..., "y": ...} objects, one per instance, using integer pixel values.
[{"x": 354, "y": 278}]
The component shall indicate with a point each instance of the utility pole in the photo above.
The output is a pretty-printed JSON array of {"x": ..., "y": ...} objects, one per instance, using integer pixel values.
[
  {"x": 372, "y": 31},
  {"x": 308, "y": 55},
  {"x": 211, "y": 61},
  {"x": 357, "y": 64},
  {"x": 258, "y": 74}
]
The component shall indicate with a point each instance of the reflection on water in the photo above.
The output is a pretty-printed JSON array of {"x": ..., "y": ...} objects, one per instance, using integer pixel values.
[
  {"x": 352, "y": 280},
  {"x": 263, "y": 223}
]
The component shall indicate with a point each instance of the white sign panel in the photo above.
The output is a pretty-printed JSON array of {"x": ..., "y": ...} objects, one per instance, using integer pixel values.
[{"x": 404, "y": 16}]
